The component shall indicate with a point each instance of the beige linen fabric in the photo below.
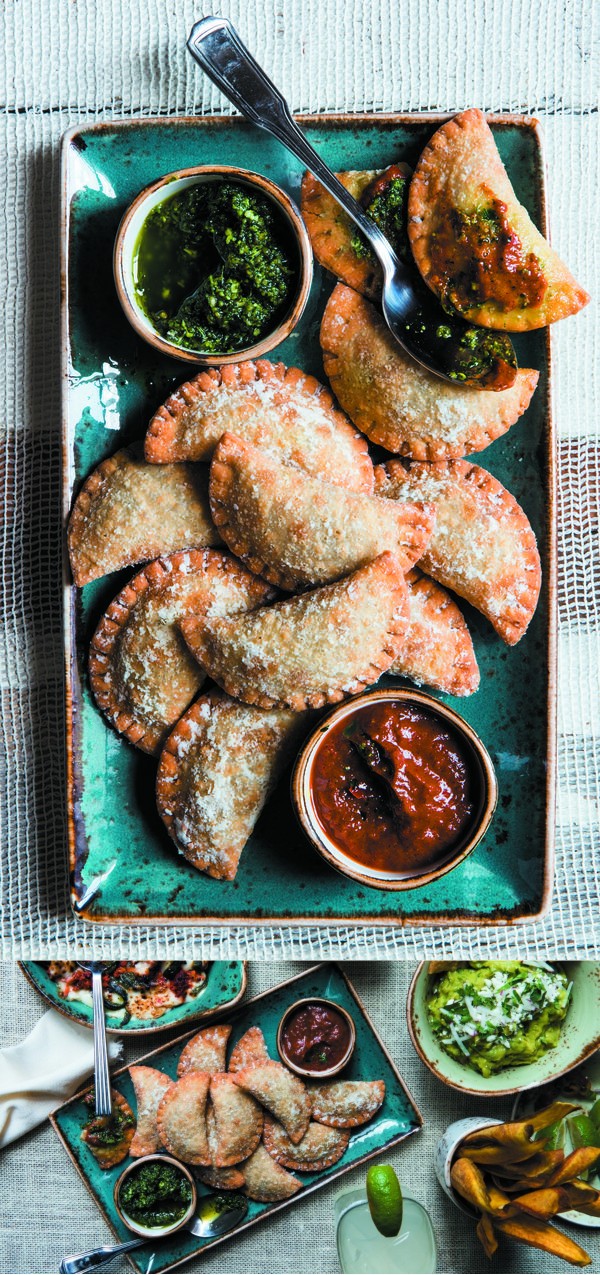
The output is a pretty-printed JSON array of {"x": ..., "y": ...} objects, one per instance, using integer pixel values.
[{"x": 67, "y": 61}]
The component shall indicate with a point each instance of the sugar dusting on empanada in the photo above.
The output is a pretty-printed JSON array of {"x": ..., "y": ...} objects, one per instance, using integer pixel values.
[
  {"x": 150, "y": 1086},
  {"x": 238, "y": 1122},
  {"x": 345, "y": 1104},
  {"x": 281, "y": 1092},
  {"x": 438, "y": 649},
  {"x": 181, "y": 1119},
  {"x": 206, "y": 1051},
  {"x": 251, "y": 1048},
  {"x": 318, "y": 1149},
  {"x": 265, "y": 1180}
]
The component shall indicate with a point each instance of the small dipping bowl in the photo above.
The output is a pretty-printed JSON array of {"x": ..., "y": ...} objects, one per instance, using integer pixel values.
[
  {"x": 313, "y": 1072},
  {"x": 482, "y": 780},
  {"x": 125, "y": 251},
  {"x": 155, "y": 1231}
]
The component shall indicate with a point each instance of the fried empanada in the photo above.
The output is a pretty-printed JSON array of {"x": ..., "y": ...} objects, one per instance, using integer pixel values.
[
  {"x": 332, "y": 232},
  {"x": 215, "y": 773},
  {"x": 474, "y": 243},
  {"x": 298, "y": 531},
  {"x": 206, "y": 1051},
  {"x": 345, "y": 1104},
  {"x": 109, "y": 1141},
  {"x": 483, "y": 546},
  {"x": 310, "y": 650},
  {"x": 221, "y": 1179},
  {"x": 265, "y": 1180},
  {"x": 128, "y": 511},
  {"x": 395, "y": 401},
  {"x": 437, "y": 649},
  {"x": 141, "y": 671},
  {"x": 318, "y": 1149},
  {"x": 149, "y": 1085},
  {"x": 281, "y": 1092},
  {"x": 250, "y": 1049},
  {"x": 281, "y": 409},
  {"x": 181, "y": 1119},
  {"x": 238, "y": 1122}
]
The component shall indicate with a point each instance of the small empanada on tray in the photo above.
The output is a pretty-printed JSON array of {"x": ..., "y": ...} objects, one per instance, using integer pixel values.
[
  {"x": 251, "y": 1048},
  {"x": 320, "y": 1147},
  {"x": 331, "y": 232},
  {"x": 206, "y": 1051},
  {"x": 141, "y": 672},
  {"x": 150, "y": 1086},
  {"x": 482, "y": 547},
  {"x": 474, "y": 243},
  {"x": 221, "y": 1179},
  {"x": 345, "y": 1104},
  {"x": 128, "y": 511},
  {"x": 111, "y": 1153},
  {"x": 238, "y": 1122},
  {"x": 313, "y": 649},
  {"x": 265, "y": 1180},
  {"x": 181, "y": 1119},
  {"x": 282, "y": 1093},
  {"x": 395, "y": 401},
  {"x": 438, "y": 648},
  {"x": 296, "y": 530},
  {"x": 215, "y": 773},
  {"x": 278, "y": 408}
]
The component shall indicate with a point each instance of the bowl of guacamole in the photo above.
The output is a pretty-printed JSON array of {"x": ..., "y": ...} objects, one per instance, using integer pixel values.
[{"x": 497, "y": 1027}]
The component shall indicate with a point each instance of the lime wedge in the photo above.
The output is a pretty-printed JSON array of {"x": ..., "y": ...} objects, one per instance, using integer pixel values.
[
  {"x": 385, "y": 1199},
  {"x": 583, "y": 1131}
]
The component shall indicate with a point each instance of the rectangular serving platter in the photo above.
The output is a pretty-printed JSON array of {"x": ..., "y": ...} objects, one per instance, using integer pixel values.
[
  {"x": 123, "y": 866},
  {"x": 396, "y": 1120}
]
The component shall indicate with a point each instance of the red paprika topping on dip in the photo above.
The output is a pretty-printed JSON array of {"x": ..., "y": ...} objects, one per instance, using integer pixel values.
[
  {"x": 393, "y": 786},
  {"x": 315, "y": 1037}
]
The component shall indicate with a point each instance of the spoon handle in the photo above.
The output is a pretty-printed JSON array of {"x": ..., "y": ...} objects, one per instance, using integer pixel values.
[
  {"x": 96, "y": 1257},
  {"x": 101, "y": 1072},
  {"x": 216, "y": 46}
]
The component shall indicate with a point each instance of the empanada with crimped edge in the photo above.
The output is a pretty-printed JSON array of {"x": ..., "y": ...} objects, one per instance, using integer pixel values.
[
  {"x": 128, "y": 511},
  {"x": 282, "y": 1093},
  {"x": 108, "y": 1154},
  {"x": 217, "y": 769},
  {"x": 281, "y": 409},
  {"x": 150, "y": 1086},
  {"x": 251, "y": 1048},
  {"x": 181, "y": 1119},
  {"x": 437, "y": 649},
  {"x": 474, "y": 243},
  {"x": 483, "y": 546},
  {"x": 318, "y": 1149},
  {"x": 298, "y": 531},
  {"x": 221, "y": 1179},
  {"x": 265, "y": 1180},
  {"x": 206, "y": 1051},
  {"x": 237, "y": 1122},
  {"x": 346, "y": 1104},
  {"x": 399, "y": 404},
  {"x": 331, "y": 231},
  {"x": 312, "y": 649},
  {"x": 141, "y": 672}
]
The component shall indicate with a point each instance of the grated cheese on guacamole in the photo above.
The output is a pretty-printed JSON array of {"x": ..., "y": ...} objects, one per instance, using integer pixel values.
[{"x": 496, "y": 1014}]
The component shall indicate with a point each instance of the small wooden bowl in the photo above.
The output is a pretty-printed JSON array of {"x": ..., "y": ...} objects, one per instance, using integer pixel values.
[
  {"x": 155, "y": 1231},
  {"x": 316, "y": 1073},
  {"x": 127, "y": 237},
  {"x": 337, "y": 857}
]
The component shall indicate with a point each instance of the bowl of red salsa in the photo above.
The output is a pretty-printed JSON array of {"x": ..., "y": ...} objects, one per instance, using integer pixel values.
[
  {"x": 394, "y": 789},
  {"x": 316, "y": 1038}
]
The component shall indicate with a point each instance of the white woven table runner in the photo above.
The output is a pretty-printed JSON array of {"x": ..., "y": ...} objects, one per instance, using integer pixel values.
[{"x": 83, "y": 60}]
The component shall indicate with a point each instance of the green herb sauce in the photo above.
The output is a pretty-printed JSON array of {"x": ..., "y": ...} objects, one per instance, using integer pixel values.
[
  {"x": 215, "y": 267},
  {"x": 155, "y": 1195},
  {"x": 388, "y": 210}
]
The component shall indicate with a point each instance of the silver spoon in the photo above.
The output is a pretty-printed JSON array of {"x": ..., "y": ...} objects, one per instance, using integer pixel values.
[
  {"x": 101, "y": 1072},
  {"x": 445, "y": 345},
  {"x": 205, "y": 1223}
]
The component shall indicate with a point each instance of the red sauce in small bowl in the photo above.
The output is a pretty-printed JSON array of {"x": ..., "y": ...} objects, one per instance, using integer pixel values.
[
  {"x": 395, "y": 787},
  {"x": 315, "y": 1037}
]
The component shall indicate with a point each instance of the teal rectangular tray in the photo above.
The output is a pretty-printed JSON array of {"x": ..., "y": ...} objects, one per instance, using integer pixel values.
[
  {"x": 113, "y": 382},
  {"x": 397, "y": 1119}
]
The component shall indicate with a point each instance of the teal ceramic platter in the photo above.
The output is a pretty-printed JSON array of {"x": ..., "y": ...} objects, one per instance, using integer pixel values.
[
  {"x": 396, "y": 1119},
  {"x": 124, "y": 868},
  {"x": 224, "y": 987}
]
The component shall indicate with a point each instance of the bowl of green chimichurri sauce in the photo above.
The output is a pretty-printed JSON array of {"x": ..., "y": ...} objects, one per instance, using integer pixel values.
[
  {"x": 213, "y": 265},
  {"x": 155, "y": 1195}
]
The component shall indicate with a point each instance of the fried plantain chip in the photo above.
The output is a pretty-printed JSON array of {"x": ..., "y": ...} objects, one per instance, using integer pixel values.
[
  {"x": 538, "y": 1167},
  {"x": 486, "y": 1235},
  {"x": 468, "y": 1180},
  {"x": 575, "y": 1164},
  {"x": 544, "y": 1203},
  {"x": 544, "y": 1236},
  {"x": 495, "y": 1155}
]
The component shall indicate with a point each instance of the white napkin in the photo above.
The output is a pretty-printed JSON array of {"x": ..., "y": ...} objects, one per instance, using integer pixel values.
[{"x": 45, "y": 1069}]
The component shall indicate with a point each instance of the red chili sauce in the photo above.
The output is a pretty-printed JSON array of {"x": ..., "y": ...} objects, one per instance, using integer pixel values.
[
  {"x": 316, "y": 1037},
  {"x": 402, "y": 794},
  {"x": 478, "y": 258}
]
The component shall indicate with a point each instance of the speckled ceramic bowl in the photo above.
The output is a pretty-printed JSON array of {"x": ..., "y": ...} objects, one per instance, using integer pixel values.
[
  {"x": 446, "y": 1151},
  {"x": 125, "y": 253},
  {"x": 155, "y": 1232},
  {"x": 580, "y": 1038}
]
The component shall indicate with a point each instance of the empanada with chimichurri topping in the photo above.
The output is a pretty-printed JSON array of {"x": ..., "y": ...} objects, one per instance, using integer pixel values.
[
  {"x": 332, "y": 232},
  {"x": 150, "y": 1086},
  {"x": 437, "y": 649},
  {"x": 141, "y": 672},
  {"x": 128, "y": 511},
  {"x": 474, "y": 243},
  {"x": 345, "y": 1104},
  {"x": 281, "y": 409},
  {"x": 312, "y": 649},
  {"x": 298, "y": 531},
  {"x": 483, "y": 546},
  {"x": 281, "y": 1092},
  {"x": 181, "y": 1119},
  {"x": 206, "y": 1051},
  {"x": 265, "y": 1180},
  {"x": 216, "y": 771},
  {"x": 318, "y": 1149},
  {"x": 395, "y": 401}
]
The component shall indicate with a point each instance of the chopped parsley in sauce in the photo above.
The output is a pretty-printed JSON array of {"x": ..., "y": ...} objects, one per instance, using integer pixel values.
[{"x": 155, "y": 1195}]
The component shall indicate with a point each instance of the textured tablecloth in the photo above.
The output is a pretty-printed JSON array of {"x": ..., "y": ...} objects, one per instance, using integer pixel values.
[
  {"x": 64, "y": 61},
  {"x": 39, "y": 1186}
]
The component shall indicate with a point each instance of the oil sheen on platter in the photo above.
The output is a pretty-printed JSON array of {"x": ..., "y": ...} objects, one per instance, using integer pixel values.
[{"x": 113, "y": 383}]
